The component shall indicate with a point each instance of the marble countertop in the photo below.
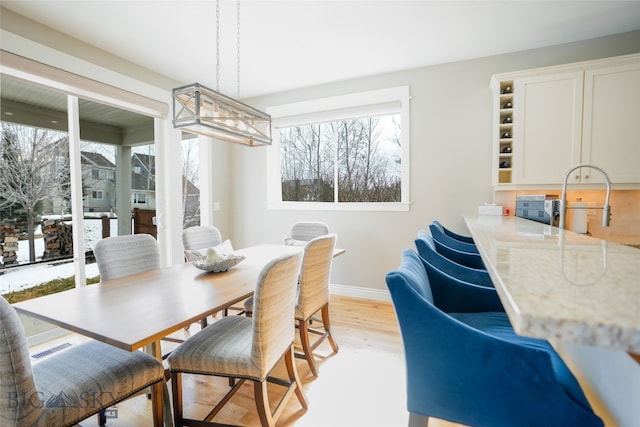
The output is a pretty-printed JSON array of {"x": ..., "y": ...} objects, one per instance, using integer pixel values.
[{"x": 560, "y": 285}]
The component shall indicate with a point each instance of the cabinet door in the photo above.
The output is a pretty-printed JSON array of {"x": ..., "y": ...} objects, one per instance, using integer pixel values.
[
  {"x": 611, "y": 130},
  {"x": 547, "y": 127}
]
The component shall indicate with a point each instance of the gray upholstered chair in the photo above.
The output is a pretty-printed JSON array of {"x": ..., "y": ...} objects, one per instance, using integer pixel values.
[
  {"x": 313, "y": 297},
  {"x": 71, "y": 385},
  {"x": 120, "y": 256},
  {"x": 247, "y": 348},
  {"x": 303, "y": 231},
  {"x": 200, "y": 237}
]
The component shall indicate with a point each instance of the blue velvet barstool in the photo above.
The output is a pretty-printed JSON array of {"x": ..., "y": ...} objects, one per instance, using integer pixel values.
[
  {"x": 427, "y": 251},
  {"x": 455, "y": 251},
  {"x": 439, "y": 235},
  {"x": 471, "y": 368},
  {"x": 452, "y": 234}
]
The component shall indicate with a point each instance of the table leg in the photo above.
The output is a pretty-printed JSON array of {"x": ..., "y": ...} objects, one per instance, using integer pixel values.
[{"x": 155, "y": 350}]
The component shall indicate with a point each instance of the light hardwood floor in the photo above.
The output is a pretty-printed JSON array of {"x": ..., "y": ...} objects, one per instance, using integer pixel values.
[{"x": 361, "y": 385}]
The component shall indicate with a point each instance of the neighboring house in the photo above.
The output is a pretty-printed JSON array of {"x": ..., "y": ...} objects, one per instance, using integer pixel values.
[
  {"x": 143, "y": 181},
  {"x": 99, "y": 186},
  {"x": 98, "y": 182}
]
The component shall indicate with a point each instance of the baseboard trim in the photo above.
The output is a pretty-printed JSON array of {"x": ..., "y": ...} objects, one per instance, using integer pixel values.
[
  {"x": 360, "y": 292},
  {"x": 48, "y": 335}
]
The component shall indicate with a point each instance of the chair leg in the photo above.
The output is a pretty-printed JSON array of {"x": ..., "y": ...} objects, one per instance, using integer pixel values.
[
  {"x": 157, "y": 403},
  {"x": 327, "y": 328},
  {"x": 294, "y": 379},
  {"x": 417, "y": 420},
  {"x": 262, "y": 404},
  {"x": 303, "y": 328},
  {"x": 176, "y": 390}
]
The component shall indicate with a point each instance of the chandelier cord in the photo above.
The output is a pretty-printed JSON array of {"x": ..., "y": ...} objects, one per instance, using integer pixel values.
[
  {"x": 217, "y": 45},
  {"x": 238, "y": 45}
]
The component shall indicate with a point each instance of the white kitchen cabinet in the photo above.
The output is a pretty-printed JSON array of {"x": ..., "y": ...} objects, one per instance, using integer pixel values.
[
  {"x": 611, "y": 121},
  {"x": 548, "y": 127},
  {"x": 564, "y": 116}
]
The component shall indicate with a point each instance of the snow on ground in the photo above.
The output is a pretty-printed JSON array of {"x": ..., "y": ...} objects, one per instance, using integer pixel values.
[{"x": 16, "y": 278}]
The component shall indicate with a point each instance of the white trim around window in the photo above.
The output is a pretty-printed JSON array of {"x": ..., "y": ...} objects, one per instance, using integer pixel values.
[{"x": 376, "y": 102}]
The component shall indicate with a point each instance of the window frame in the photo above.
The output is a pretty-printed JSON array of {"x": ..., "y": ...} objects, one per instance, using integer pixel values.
[
  {"x": 361, "y": 104},
  {"x": 136, "y": 198}
]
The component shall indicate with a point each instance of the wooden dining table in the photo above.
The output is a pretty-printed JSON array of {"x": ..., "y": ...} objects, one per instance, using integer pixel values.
[{"x": 138, "y": 310}]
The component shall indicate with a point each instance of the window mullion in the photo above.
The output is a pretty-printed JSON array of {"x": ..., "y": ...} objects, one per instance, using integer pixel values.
[{"x": 335, "y": 171}]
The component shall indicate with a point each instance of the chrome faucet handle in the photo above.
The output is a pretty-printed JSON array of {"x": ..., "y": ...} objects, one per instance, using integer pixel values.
[{"x": 606, "y": 215}]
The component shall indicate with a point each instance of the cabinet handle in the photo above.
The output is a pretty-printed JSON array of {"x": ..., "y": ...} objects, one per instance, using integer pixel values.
[
  {"x": 586, "y": 176},
  {"x": 577, "y": 177}
]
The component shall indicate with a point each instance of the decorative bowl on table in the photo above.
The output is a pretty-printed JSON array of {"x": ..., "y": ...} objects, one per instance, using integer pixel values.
[
  {"x": 217, "y": 266},
  {"x": 217, "y": 259}
]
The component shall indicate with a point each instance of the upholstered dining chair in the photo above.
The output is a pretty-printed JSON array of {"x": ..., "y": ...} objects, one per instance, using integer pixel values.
[
  {"x": 452, "y": 234},
  {"x": 247, "y": 348},
  {"x": 303, "y": 231},
  {"x": 72, "y": 384},
  {"x": 119, "y": 256},
  {"x": 200, "y": 237},
  {"x": 427, "y": 251},
  {"x": 471, "y": 368},
  {"x": 313, "y": 297}
]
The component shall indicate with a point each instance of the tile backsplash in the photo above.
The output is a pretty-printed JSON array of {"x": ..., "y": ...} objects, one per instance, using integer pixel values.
[{"x": 625, "y": 209}]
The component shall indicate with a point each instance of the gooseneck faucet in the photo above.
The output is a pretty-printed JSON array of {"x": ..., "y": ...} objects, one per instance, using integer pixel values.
[{"x": 606, "y": 209}]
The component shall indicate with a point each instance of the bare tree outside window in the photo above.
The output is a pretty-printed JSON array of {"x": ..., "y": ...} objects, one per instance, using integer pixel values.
[
  {"x": 363, "y": 154},
  {"x": 34, "y": 167},
  {"x": 190, "y": 182}
]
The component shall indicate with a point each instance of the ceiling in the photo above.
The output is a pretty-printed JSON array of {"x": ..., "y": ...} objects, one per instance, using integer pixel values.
[{"x": 290, "y": 44}]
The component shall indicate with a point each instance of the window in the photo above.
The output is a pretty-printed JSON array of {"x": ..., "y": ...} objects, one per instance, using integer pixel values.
[
  {"x": 139, "y": 198},
  {"x": 101, "y": 174},
  {"x": 345, "y": 152},
  {"x": 96, "y": 194}
]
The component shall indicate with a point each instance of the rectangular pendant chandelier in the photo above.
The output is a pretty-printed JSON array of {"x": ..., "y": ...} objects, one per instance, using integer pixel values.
[{"x": 203, "y": 111}]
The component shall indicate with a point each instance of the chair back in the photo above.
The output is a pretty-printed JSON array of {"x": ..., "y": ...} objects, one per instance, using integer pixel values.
[
  {"x": 303, "y": 231},
  {"x": 429, "y": 255},
  {"x": 426, "y": 238},
  {"x": 445, "y": 230},
  {"x": 439, "y": 236},
  {"x": 468, "y": 259},
  {"x": 315, "y": 273},
  {"x": 120, "y": 256},
  {"x": 273, "y": 310},
  {"x": 200, "y": 237},
  {"x": 20, "y": 402}
]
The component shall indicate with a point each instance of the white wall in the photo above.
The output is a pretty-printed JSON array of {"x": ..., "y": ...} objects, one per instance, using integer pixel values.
[
  {"x": 450, "y": 175},
  {"x": 450, "y": 158}
]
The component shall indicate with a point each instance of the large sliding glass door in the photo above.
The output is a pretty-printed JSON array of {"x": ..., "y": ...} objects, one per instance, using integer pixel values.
[{"x": 35, "y": 138}]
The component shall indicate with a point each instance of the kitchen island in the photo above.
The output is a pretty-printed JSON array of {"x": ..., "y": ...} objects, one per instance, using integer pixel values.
[
  {"x": 560, "y": 285},
  {"x": 580, "y": 293}
]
